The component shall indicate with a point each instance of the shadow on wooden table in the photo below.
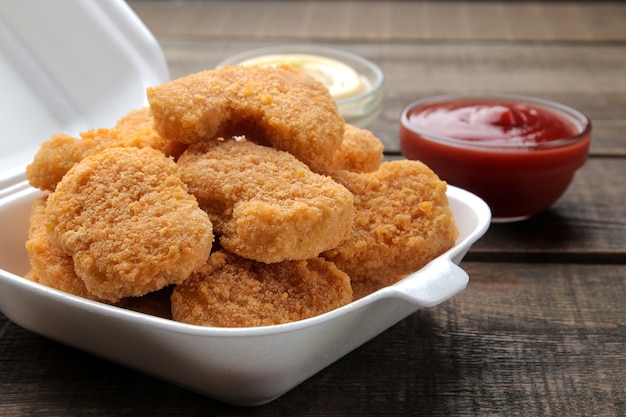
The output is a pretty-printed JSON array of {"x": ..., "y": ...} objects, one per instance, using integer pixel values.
[{"x": 552, "y": 236}]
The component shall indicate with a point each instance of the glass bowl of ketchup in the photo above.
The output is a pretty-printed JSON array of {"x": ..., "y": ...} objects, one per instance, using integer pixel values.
[{"x": 517, "y": 153}]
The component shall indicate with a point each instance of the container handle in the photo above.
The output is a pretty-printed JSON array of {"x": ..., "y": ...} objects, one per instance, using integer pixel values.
[{"x": 433, "y": 284}]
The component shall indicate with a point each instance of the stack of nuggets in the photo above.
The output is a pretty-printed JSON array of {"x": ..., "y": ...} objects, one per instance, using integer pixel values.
[{"x": 242, "y": 192}]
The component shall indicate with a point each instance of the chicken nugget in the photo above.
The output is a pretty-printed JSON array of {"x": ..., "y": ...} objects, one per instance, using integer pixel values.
[
  {"x": 50, "y": 265},
  {"x": 360, "y": 151},
  {"x": 402, "y": 221},
  {"x": 55, "y": 157},
  {"x": 61, "y": 152},
  {"x": 265, "y": 204},
  {"x": 279, "y": 107},
  {"x": 230, "y": 291},
  {"x": 129, "y": 223},
  {"x": 136, "y": 128}
]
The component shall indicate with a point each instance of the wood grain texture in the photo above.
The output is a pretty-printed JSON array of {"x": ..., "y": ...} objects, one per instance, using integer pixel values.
[
  {"x": 541, "y": 328},
  {"x": 574, "y": 53},
  {"x": 384, "y": 21}
]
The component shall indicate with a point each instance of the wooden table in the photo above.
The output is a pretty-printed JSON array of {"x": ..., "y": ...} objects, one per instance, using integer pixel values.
[{"x": 541, "y": 329}]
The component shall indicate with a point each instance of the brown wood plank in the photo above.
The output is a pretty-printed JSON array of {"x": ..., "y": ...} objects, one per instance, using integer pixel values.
[
  {"x": 384, "y": 21},
  {"x": 519, "y": 341}
]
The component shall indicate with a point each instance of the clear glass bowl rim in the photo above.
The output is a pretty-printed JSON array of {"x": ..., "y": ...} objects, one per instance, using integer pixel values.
[
  {"x": 578, "y": 117},
  {"x": 338, "y": 54}
]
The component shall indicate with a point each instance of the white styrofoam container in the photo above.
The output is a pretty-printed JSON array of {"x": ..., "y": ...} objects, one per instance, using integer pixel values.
[
  {"x": 249, "y": 366},
  {"x": 67, "y": 66},
  {"x": 95, "y": 65}
]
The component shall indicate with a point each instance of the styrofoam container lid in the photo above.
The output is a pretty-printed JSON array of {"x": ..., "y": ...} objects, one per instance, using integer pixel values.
[{"x": 67, "y": 66}]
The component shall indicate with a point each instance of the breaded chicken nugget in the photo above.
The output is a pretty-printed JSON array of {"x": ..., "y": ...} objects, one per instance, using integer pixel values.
[
  {"x": 56, "y": 156},
  {"x": 136, "y": 128},
  {"x": 279, "y": 107},
  {"x": 230, "y": 291},
  {"x": 402, "y": 222},
  {"x": 265, "y": 204},
  {"x": 61, "y": 152},
  {"x": 360, "y": 151},
  {"x": 50, "y": 265},
  {"x": 127, "y": 220}
]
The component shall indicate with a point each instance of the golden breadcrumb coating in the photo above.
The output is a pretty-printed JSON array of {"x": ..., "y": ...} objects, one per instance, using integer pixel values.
[
  {"x": 265, "y": 204},
  {"x": 61, "y": 152},
  {"x": 127, "y": 220},
  {"x": 360, "y": 151},
  {"x": 307, "y": 215},
  {"x": 402, "y": 222},
  {"x": 280, "y": 107},
  {"x": 58, "y": 155},
  {"x": 136, "y": 128},
  {"x": 230, "y": 291},
  {"x": 50, "y": 265}
]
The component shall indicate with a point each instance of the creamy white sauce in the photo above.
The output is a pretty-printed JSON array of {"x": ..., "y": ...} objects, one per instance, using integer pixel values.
[{"x": 341, "y": 80}]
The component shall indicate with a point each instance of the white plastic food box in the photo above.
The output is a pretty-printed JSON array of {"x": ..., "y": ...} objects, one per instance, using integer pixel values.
[{"x": 67, "y": 66}]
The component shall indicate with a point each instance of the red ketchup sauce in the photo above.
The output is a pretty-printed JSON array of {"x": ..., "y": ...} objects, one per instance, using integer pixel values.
[{"x": 520, "y": 157}]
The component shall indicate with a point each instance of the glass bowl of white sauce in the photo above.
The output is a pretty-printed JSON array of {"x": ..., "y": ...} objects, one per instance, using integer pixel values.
[{"x": 354, "y": 82}]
